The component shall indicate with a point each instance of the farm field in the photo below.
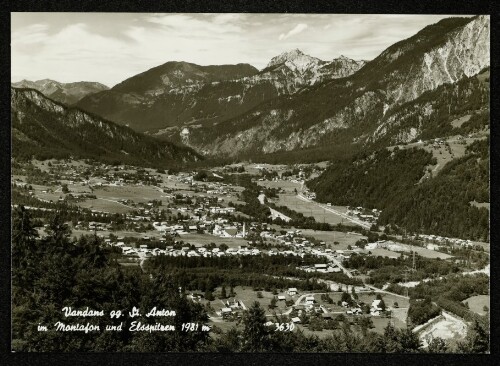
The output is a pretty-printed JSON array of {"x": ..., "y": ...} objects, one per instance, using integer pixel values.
[
  {"x": 329, "y": 237},
  {"x": 105, "y": 233},
  {"x": 134, "y": 193},
  {"x": 424, "y": 252},
  {"x": 287, "y": 186},
  {"x": 477, "y": 303},
  {"x": 311, "y": 209},
  {"x": 389, "y": 299},
  {"x": 380, "y": 252},
  {"x": 104, "y": 204}
]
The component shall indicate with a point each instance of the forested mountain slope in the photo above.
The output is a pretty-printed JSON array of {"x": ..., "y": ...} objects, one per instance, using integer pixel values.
[
  {"x": 351, "y": 109},
  {"x": 44, "y": 128}
]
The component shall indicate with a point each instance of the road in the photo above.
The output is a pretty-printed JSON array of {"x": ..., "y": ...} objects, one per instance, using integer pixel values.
[
  {"x": 385, "y": 292},
  {"x": 339, "y": 264},
  {"x": 336, "y": 212},
  {"x": 274, "y": 213}
]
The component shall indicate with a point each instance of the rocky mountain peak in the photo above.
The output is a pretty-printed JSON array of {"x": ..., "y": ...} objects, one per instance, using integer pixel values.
[{"x": 295, "y": 60}]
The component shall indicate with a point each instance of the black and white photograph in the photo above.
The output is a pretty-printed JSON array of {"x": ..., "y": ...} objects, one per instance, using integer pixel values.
[{"x": 250, "y": 183}]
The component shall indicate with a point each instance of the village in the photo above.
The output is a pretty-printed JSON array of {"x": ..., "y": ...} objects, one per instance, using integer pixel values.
[{"x": 146, "y": 213}]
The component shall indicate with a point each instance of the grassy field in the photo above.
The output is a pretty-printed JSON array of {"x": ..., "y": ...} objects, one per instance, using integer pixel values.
[
  {"x": 329, "y": 237},
  {"x": 477, "y": 303},
  {"x": 380, "y": 252},
  {"x": 428, "y": 253},
  {"x": 105, "y": 233},
  {"x": 424, "y": 252},
  {"x": 106, "y": 205},
  {"x": 389, "y": 299},
  {"x": 287, "y": 186},
  {"x": 311, "y": 209},
  {"x": 134, "y": 193}
]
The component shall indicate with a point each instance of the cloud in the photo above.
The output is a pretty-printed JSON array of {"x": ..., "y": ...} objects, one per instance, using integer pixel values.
[
  {"x": 30, "y": 35},
  {"x": 112, "y": 47},
  {"x": 298, "y": 29}
]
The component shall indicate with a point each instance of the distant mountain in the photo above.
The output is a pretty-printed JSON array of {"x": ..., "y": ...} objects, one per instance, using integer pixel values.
[
  {"x": 357, "y": 109},
  {"x": 44, "y": 128},
  {"x": 67, "y": 93},
  {"x": 177, "y": 75},
  {"x": 180, "y": 94},
  {"x": 304, "y": 70}
]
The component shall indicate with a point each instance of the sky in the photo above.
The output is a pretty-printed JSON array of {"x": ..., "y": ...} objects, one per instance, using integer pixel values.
[{"x": 111, "y": 47}]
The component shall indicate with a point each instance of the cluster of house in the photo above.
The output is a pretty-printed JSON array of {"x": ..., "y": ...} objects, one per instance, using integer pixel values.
[
  {"x": 92, "y": 226},
  {"x": 434, "y": 241},
  {"x": 144, "y": 251},
  {"x": 230, "y": 307},
  {"x": 370, "y": 216},
  {"x": 321, "y": 268},
  {"x": 386, "y": 244}
]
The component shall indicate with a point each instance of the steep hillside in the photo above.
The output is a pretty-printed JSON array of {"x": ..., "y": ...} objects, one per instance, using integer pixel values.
[
  {"x": 371, "y": 180},
  {"x": 391, "y": 181},
  {"x": 350, "y": 109},
  {"x": 66, "y": 93},
  {"x": 44, "y": 128},
  {"x": 176, "y": 95},
  {"x": 445, "y": 204}
]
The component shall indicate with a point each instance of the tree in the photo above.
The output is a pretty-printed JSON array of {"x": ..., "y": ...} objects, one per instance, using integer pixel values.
[
  {"x": 65, "y": 188},
  {"x": 209, "y": 296},
  {"x": 255, "y": 333},
  {"x": 477, "y": 339},
  {"x": 24, "y": 256},
  {"x": 437, "y": 345},
  {"x": 58, "y": 230},
  {"x": 23, "y": 233},
  {"x": 223, "y": 294},
  {"x": 382, "y": 305},
  {"x": 346, "y": 297},
  {"x": 410, "y": 342}
]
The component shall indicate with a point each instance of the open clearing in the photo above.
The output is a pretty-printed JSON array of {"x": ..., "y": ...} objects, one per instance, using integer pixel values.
[
  {"x": 311, "y": 209},
  {"x": 134, "y": 193},
  {"x": 106, "y": 205},
  {"x": 380, "y": 252},
  {"x": 287, "y": 186},
  {"x": 442, "y": 153},
  {"x": 329, "y": 237},
  {"x": 389, "y": 299},
  {"x": 477, "y": 303},
  {"x": 424, "y": 252}
]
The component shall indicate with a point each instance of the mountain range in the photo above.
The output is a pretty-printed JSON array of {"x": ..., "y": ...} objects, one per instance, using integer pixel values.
[
  {"x": 414, "y": 89},
  {"x": 67, "y": 93},
  {"x": 179, "y": 94},
  {"x": 356, "y": 109}
]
